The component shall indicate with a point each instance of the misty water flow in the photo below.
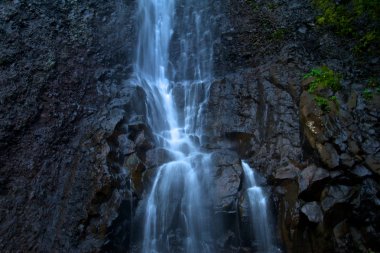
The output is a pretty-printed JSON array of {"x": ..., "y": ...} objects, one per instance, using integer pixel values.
[
  {"x": 260, "y": 219},
  {"x": 177, "y": 208}
]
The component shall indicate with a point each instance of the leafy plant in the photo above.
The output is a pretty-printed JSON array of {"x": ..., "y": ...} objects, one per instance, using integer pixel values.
[
  {"x": 324, "y": 78},
  {"x": 323, "y": 103}
]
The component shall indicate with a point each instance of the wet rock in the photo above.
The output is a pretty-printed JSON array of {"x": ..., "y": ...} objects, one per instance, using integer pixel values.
[
  {"x": 135, "y": 167},
  {"x": 227, "y": 176},
  {"x": 227, "y": 184},
  {"x": 224, "y": 158},
  {"x": 157, "y": 156},
  {"x": 244, "y": 211},
  {"x": 328, "y": 154},
  {"x": 313, "y": 212}
]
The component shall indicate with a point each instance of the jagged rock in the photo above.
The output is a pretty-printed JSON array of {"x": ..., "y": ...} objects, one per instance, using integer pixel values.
[
  {"x": 335, "y": 194},
  {"x": 361, "y": 171},
  {"x": 328, "y": 154},
  {"x": 125, "y": 145},
  {"x": 56, "y": 119},
  {"x": 313, "y": 212},
  {"x": 310, "y": 175},
  {"x": 288, "y": 172}
]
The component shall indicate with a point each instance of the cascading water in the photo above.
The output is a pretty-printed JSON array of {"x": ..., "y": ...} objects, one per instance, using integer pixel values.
[
  {"x": 258, "y": 213},
  {"x": 176, "y": 216}
]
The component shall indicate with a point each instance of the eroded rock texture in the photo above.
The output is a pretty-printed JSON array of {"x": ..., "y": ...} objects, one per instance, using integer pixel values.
[{"x": 60, "y": 64}]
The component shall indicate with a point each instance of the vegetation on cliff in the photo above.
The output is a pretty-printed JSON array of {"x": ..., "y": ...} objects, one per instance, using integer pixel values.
[
  {"x": 358, "y": 19},
  {"x": 324, "y": 82}
]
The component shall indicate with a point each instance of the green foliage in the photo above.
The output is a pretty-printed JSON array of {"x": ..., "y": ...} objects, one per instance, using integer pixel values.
[
  {"x": 323, "y": 103},
  {"x": 324, "y": 79},
  {"x": 359, "y": 19},
  {"x": 334, "y": 15}
]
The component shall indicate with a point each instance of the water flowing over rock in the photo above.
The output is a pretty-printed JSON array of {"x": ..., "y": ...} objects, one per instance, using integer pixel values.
[
  {"x": 259, "y": 213},
  {"x": 176, "y": 214}
]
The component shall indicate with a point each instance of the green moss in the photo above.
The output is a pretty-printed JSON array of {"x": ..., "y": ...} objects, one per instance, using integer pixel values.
[{"x": 357, "y": 19}]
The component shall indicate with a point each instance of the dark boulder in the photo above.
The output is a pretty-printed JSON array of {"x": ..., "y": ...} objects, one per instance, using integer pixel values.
[
  {"x": 313, "y": 212},
  {"x": 310, "y": 177},
  {"x": 288, "y": 172}
]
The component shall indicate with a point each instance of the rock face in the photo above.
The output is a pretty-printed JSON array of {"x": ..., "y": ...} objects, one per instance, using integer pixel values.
[
  {"x": 61, "y": 63},
  {"x": 77, "y": 155}
]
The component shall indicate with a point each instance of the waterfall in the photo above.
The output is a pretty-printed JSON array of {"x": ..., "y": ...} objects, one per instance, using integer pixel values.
[
  {"x": 177, "y": 207},
  {"x": 258, "y": 212}
]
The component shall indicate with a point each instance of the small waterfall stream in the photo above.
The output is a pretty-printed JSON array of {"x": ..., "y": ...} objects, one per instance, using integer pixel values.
[{"x": 258, "y": 212}]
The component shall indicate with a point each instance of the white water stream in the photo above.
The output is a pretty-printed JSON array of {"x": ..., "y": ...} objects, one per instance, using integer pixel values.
[
  {"x": 177, "y": 216},
  {"x": 258, "y": 212}
]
